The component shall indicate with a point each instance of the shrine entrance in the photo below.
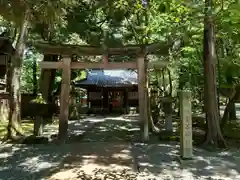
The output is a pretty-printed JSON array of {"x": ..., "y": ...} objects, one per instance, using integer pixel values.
[
  {"x": 66, "y": 64},
  {"x": 116, "y": 101}
]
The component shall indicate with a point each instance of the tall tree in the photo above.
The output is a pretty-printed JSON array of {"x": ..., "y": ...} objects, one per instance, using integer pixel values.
[
  {"x": 15, "y": 95},
  {"x": 31, "y": 11},
  {"x": 213, "y": 134}
]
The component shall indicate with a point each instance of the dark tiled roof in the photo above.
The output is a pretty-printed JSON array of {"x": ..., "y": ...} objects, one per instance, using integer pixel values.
[{"x": 109, "y": 78}]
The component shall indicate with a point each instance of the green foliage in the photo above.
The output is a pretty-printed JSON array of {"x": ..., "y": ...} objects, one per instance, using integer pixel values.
[
  {"x": 114, "y": 23},
  {"x": 27, "y": 70}
]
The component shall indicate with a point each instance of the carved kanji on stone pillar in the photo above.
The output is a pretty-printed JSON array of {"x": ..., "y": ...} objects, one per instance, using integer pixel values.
[{"x": 186, "y": 148}]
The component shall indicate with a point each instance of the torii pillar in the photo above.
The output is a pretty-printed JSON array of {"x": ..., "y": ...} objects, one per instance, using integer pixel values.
[{"x": 64, "y": 99}]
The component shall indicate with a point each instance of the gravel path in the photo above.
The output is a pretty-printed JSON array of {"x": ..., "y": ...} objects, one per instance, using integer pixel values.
[
  {"x": 75, "y": 127},
  {"x": 162, "y": 162},
  {"x": 114, "y": 129},
  {"x": 106, "y": 146}
]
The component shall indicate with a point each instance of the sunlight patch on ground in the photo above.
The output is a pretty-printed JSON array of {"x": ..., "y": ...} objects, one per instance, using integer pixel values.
[
  {"x": 5, "y": 155},
  {"x": 26, "y": 165},
  {"x": 64, "y": 175},
  {"x": 89, "y": 157},
  {"x": 121, "y": 118},
  {"x": 98, "y": 174}
]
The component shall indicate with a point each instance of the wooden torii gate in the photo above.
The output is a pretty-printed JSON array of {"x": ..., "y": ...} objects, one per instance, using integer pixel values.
[{"x": 67, "y": 51}]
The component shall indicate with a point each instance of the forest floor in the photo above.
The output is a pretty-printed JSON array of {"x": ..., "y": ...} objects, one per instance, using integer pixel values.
[{"x": 108, "y": 146}]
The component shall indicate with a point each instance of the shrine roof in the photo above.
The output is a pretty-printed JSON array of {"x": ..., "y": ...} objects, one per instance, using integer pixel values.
[{"x": 109, "y": 78}]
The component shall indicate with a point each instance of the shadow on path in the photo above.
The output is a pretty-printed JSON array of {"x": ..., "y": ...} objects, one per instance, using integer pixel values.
[
  {"x": 113, "y": 130},
  {"x": 108, "y": 145},
  {"x": 42, "y": 161},
  {"x": 39, "y": 161},
  {"x": 162, "y": 160}
]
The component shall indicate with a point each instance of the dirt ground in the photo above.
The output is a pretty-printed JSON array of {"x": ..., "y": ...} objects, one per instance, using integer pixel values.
[{"x": 107, "y": 148}]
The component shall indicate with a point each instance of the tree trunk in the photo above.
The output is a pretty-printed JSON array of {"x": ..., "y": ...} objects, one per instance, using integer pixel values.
[
  {"x": 47, "y": 79},
  {"x": 226, "y": 114},
  {"x": 167, "y": 109},
  {"x": 163, "y": 81},
  {"x": 170, "y": 82},
  {"x": 47, "y": 84},
  {"x": 232, "y": 113},
  {"x": 34, "y": 68},
  {"x": 38, "y": 126},
  {"x": 213, "y": 133},
  {"x": 151, "y": 125},
  {"x": 15, "y": 94},
  {"x": 180, "y": 85}
]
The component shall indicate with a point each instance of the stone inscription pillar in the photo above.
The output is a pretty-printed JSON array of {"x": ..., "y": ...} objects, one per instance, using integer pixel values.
[{"x": 186, "y": 149}]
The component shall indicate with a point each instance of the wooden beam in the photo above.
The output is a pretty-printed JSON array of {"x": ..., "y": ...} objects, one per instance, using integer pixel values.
[
  {"x": 142, "y": 103},
  {"x": 51, "y": 65},
  {"x": 64, "y": 99},
  {"x": 160, "y": 48},
  {"x": 110, "y": 65},
  {"x": 85, "y": 50}
]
